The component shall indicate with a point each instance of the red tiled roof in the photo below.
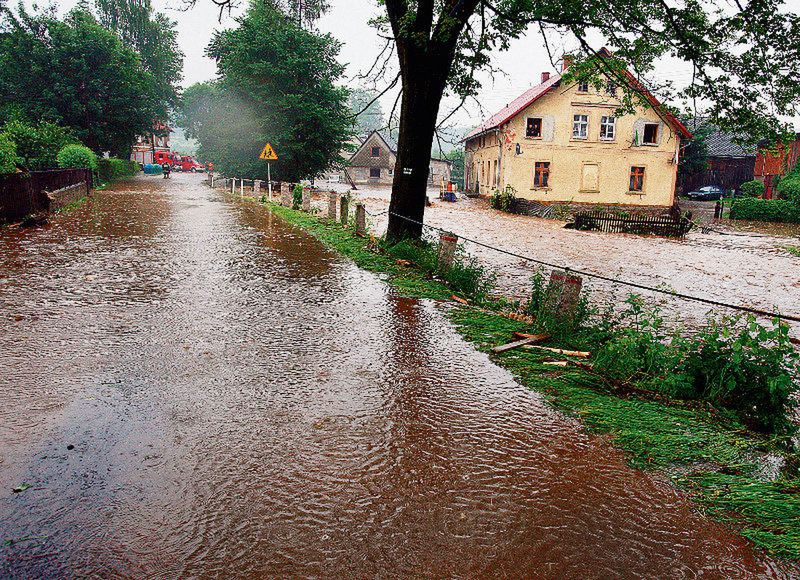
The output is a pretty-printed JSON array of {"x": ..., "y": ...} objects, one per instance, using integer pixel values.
[
  {"x": 516, "y": 106},
  {"x": 533, "y": 94}
]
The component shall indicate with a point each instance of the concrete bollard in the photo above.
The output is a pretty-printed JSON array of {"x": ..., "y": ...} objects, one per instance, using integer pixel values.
[
  {"x": 306, "y": 206},
  {"x": 257, "y": 188},
  {"x": 333, "y": 201},
  {"x": 447, "y": 250},
  {"x": 286, "y": 194},
  {"x": 233, "y": 185},
  {"x": 344, "y": 210},
  {"x": 561, "y": 298},
  {"x": 361, "y": 220}
]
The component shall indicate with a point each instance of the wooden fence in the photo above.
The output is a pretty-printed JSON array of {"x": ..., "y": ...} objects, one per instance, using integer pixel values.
[
  {"x": 23, "y": 194},
  {"x": 643, "y": 224}
]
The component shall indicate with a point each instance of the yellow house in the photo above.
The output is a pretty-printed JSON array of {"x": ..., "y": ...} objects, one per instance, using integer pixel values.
[{"x": 562, "y": 143}]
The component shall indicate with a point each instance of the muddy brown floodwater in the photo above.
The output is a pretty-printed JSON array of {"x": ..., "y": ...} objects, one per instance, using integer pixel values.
[{"x": 244, "y": 403}]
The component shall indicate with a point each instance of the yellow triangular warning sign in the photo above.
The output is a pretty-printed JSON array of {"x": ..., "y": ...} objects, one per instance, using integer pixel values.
[{"x": 268, "y": 153}]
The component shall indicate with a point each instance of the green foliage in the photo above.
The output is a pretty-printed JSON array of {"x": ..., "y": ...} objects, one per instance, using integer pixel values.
[
  {"x": 503, "y": 200},
  {"x": 734, "y": 363},
  {"x": 154, "y": 37},
  {"x": 297, "y": 196},
  {"x": 752, "y": 188},
  {"x": 793, "y": 250},
  {"x": 789, "y": 188},
  {"x": 457, "y": 172},
  {"x": 765, "y": 210},
  {"x": 371, "y": 115},
  {"x": 78, "y": 74},
  {"x": 277, "y": 84},
  {"x": 694, "y": 156},
  {"x": 465, "y": 277},
  {"x": 112, "y": 169},
  {"x": 37, "y": 145},
  {"x": 8, "y": 155},
  {"x": 77, "y": 156},
  {"x": 551, "y": 322}
]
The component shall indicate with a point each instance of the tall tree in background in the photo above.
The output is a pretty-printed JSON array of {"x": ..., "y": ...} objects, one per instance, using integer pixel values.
[
  {"x": 153, "y": 36},
  {"x": 78, "y": 74},
  {"x": 276, "y": 84},
  {"x": 746, "y": 58},
  {"x": 367, "y": 112}
]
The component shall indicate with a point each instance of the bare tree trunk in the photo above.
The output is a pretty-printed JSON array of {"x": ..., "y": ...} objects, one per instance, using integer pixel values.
[{"x": 422, "y": 93}]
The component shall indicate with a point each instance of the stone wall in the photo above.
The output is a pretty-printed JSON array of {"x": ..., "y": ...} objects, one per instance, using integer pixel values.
[{"x": 66, "y": 195}]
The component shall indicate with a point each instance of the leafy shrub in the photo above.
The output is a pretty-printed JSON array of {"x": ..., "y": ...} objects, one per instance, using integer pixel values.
[
  {"x": 752, "y": 188},
  {"x": 297, "y": 196},
  {"x": 789, "y": 188},
  {"x": 765, "y": 210},
  {"x": 504, "y": 201},
  {"x": 733, "y": 363},
  {"x": 38, "y": 145},
  {"x": 78, "y": 156},
  {"x": 111, "y": 169},
  {"x": 547, "y": 320},
  {"x": 8, "y": 155}
]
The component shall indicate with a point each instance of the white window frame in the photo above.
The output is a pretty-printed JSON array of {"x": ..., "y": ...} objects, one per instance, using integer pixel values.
[
  {"x": 608, "y": 122},
  {"x": 583, "y": 87},
  {"x": 580, "y": 122}
]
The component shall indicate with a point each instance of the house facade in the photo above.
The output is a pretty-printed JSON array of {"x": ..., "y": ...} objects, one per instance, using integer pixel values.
[
  {"x": 146, "y": 146},
  {"x": 374, "y": 161},
  {"x": 562, "y": 142}
]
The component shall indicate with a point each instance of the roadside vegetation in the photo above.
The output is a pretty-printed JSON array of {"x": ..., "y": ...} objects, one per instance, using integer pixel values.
[
  {"x": 785, "y": 208},
  {"x": 712, "y": 412}
]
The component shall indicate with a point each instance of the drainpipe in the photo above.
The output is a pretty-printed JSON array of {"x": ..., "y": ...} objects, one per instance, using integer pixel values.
[{"x": 499, "y": 161}]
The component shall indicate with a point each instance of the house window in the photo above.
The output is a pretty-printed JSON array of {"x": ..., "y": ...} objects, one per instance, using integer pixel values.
[
  {"x": 580, "y": 126},
  {"x": 637, "y": 179},
  {"x": 541, "y": 174},
  {"x": 590, "y": 177},
  {"x": 650, "y": 134},
  {"x": 376, "y": 151},
  {"x": 611, "y": 88},
  {"x": 533, "y": 130},
  {"x": 583, "y": 87},
  {"x": 608, "y": 128},
  {"x": 375, "y": 172}
]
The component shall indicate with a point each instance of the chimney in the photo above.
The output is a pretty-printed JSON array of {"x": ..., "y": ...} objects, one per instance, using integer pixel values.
[
  {"x": 545, "y": 76},
  {"x": 566, "y": 62}
]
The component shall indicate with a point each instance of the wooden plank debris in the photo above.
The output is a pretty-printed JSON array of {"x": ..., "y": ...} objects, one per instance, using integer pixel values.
[
  {"x": 576, "y": 353},
  {"x": 528, "y": 341}
]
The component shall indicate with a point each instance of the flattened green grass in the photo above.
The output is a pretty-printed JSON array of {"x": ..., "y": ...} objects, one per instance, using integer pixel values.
[{"x": 710, "y": 456}]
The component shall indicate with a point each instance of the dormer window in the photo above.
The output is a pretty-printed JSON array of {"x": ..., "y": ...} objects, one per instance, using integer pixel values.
[
  {"x": 583, "y": 87},
  {"x": 376, "y": 151}
]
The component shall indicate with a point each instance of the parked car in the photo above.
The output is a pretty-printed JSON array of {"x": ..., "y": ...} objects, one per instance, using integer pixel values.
[
  {"x": 191, "y": 164},
  {"x": 707, "y": 193}
]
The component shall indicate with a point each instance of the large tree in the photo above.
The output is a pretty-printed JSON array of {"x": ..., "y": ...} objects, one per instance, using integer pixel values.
[
  {"x": 276, "y": 84},
  {"x": 745, "y": 57},
  {"x": 153, "y": 36},
  {"x": 78, "y": 74}
]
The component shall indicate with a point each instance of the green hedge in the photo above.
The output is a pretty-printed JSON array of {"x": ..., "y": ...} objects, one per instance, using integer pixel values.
[
  {"x": 77, "y": 156},
  {"x": 765, "y": 210},
  {"x": 111, "y": 169}
]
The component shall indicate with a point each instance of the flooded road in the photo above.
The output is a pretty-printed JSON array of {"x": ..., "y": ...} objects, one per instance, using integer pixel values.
[{"x": 193, "y": 388}]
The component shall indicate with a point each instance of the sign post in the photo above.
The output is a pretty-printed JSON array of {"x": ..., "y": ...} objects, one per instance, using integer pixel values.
[{"x": 268, "y": 154}]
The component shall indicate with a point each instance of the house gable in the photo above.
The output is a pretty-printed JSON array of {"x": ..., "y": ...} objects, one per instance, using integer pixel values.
[{"x": 375, "y": 143}]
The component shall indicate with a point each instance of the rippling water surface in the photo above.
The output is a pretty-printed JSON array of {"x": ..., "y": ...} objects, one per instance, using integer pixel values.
[{"x": 244, "y": 403}]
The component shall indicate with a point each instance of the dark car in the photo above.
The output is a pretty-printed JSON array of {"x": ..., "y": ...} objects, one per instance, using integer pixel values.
[{"x": 707, "y": 193}]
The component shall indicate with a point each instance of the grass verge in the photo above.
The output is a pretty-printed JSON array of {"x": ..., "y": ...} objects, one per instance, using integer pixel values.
[{"x": 707, "y": 454}]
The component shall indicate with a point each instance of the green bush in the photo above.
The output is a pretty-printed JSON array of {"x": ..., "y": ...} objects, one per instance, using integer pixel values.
[
  {"x": 8, "y": 155},
  {"x": 734, "y": 363},
  {"x": 503, "y": 200},
  {"x": 752, "y": 188},
  {"x": 37, "y": 145},
  {"x": 77, "y": 156},
  {"x": 765, "y": 210},
  {"x": 111, "y": 169},
  {"x": 297, "y": 196},
  {"x": 789, "y": 188}
]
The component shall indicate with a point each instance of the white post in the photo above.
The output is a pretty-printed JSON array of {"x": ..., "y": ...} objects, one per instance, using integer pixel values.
[
  {"x": 241, "y": 187},
  {"x": 269, "y": 182},
  {"x": 233, "y": 185}
]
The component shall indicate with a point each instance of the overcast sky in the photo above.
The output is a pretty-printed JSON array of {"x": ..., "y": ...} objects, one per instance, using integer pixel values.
[{"x": 348, "y": 21}]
